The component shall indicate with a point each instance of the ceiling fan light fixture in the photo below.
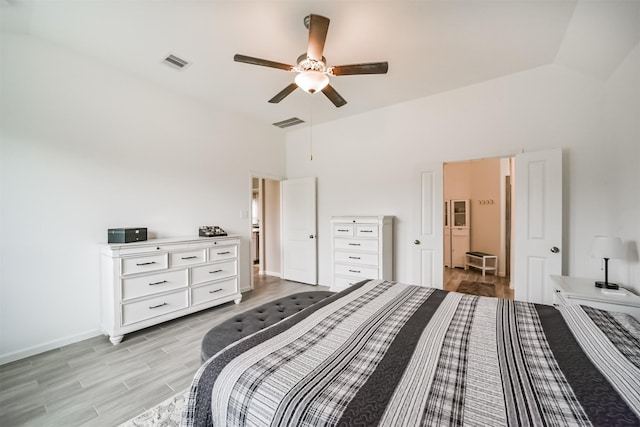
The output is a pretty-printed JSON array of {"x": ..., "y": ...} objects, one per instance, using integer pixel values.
[{"x": 312, "y": 81}]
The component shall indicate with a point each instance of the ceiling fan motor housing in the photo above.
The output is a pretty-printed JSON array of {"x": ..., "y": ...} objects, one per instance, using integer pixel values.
[{"x": 307, "y": 64}]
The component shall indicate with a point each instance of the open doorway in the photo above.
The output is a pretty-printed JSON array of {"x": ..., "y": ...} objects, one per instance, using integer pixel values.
[
  {"x": 477, "y": 249},
  {"x": 265, "y": 229}
]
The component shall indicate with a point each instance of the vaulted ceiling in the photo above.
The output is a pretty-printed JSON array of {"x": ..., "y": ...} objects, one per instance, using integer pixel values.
[{"x": 431, "y": 46}]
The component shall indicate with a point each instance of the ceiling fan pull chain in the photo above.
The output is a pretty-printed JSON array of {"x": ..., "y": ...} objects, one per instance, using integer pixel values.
[{"x": 311, "y": 129}]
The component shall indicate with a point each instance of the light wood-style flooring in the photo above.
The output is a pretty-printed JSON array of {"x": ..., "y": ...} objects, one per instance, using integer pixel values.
[
  {"x": 453, "y": 277},
  {"x": 94, "y": 383}
]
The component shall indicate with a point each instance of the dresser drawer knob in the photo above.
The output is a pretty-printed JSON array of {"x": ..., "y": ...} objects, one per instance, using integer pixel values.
[
  {"x": 354, "y": 244},
  {"x": 366, "y": 231},
  {"x": 343, "y": 230},
  {"x": 354, "y": 257},
  {"x": 215, "y": 271},
  {"x": 189, "y": 257},
  {"x": 157, "y": 306},
  {"x": 145, "y": 263},
  {"x": 224, "y": 253},
  {"x": 158, "y": 283},
  {"x": 355, "y": 271},
  {"x": 214, "y": 291}
]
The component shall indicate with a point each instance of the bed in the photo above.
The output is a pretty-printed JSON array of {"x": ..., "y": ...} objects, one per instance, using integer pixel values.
[{"x": 386, "y": 353}]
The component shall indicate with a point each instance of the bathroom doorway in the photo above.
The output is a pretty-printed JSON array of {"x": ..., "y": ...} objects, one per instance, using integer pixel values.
[{"x": 265, "y": 228}]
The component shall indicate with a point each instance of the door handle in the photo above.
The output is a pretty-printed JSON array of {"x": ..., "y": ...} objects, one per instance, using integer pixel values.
[
  {"x": 555, "y": 250},
  {"x": 311, "y": 236},
  {"x": 416, "y": 242}
]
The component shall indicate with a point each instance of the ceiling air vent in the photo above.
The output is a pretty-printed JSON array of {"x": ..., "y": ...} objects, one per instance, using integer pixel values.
[
  {"x": 289, "y": 122},
  {"x": 175, "y": 62}
]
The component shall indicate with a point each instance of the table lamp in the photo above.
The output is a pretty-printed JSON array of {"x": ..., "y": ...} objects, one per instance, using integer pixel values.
[{"x": 607, "y": 248}]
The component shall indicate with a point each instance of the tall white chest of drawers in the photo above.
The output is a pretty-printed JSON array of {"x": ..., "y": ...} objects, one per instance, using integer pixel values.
[
  {"x": 362, "y": 248},
  {"x": 146, "y": 283}
]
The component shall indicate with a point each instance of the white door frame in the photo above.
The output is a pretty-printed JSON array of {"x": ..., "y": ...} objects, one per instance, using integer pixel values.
[
  {"x": 517, "y": 263},
  {"x": 258, "y": 175}
]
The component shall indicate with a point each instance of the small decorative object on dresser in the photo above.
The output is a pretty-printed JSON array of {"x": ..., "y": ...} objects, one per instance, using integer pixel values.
[
  {"x": 150, "y": 282},
  {"x": 362, "y": 249},
  {"x": 211, "y": 231},
  {"x": 575, "y": 290}
]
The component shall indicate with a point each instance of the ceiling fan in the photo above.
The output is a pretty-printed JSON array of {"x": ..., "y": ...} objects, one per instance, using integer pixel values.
[{"x": 313, "y": 72}]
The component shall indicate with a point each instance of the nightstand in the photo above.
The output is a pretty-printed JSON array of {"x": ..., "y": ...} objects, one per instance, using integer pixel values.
[{"x": 581, "y": 291}]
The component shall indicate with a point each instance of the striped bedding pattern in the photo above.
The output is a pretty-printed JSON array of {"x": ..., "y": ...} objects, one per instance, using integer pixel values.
[{"x": 390, "y": 354}]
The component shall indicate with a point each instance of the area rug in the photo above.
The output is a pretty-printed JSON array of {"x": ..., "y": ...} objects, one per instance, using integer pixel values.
[
  {"x": 477, "y": 288},
  {"x": 166, "y": 414}
]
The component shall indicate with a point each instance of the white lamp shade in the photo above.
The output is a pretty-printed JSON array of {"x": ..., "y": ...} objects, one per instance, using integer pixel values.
[
  {"x": 312, "y": 81},
  {"x": 607, "y": 247}
]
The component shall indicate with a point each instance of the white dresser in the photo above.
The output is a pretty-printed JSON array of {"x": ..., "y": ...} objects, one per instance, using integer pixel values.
[
  {"x": 362, "y": 248},
  {"x": 146, "y": 283},
  {"x": 576, "y": 290}
]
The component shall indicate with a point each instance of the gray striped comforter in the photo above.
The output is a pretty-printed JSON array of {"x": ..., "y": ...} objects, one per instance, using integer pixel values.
[{"x": 383, "y": 353}]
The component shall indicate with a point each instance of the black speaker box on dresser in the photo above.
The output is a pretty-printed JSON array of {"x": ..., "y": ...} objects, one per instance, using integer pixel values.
[{"x": 127, "y": 235}]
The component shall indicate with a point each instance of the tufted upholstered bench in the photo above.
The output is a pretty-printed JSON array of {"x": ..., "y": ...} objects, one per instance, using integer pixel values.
[{"x": 256, "y": 319}]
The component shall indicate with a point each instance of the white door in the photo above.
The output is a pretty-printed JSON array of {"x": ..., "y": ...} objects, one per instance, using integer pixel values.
[
  {"x": 538, "y": 224},
  {"x": 299, "y": 249},
  {"x": 429, "y": 223}
]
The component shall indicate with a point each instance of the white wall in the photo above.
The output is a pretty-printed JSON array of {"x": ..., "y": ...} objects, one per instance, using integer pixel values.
[
  {"x": 364, "y": 163},
  {"x": 620, "y": 172},
  {"x": 85, "y": 148}
]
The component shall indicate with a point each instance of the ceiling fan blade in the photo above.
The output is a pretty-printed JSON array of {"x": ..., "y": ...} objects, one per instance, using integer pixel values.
[
  {"x": 370, "y": 68},
  {"x": 263, "y": 62},
  {"x": 318, "y": 27},
  {"x": 334, "y": 96},
  {"x": 283, "y": 93}
]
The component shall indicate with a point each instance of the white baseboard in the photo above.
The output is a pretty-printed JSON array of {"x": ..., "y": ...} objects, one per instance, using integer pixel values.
[{"x": 41, "y": 348}]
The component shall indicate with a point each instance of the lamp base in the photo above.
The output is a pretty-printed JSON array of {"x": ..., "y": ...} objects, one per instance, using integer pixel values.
[{"x": 607, "y": 285}]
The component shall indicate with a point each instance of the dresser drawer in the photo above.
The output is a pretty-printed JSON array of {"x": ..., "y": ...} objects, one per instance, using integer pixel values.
[
  {"x": 143, "y": 264},
  {"x": 366, "y": 230},
  {"x": 356, "y": 271},
  {"x": 179, "y": 259},
  {"x": 206, "y": 293},
  {"x": 344, "y": 282},
  {"x": 155, "y": 306},
  {"x": 356, "y": 258},
  {"x": 223, "y": 252},
  {"x": 209, "y": 272},
  {"x": 343, "y": 230},
  {"x": 151, "y": 284},
  {"x": 357, "y": 244}
]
